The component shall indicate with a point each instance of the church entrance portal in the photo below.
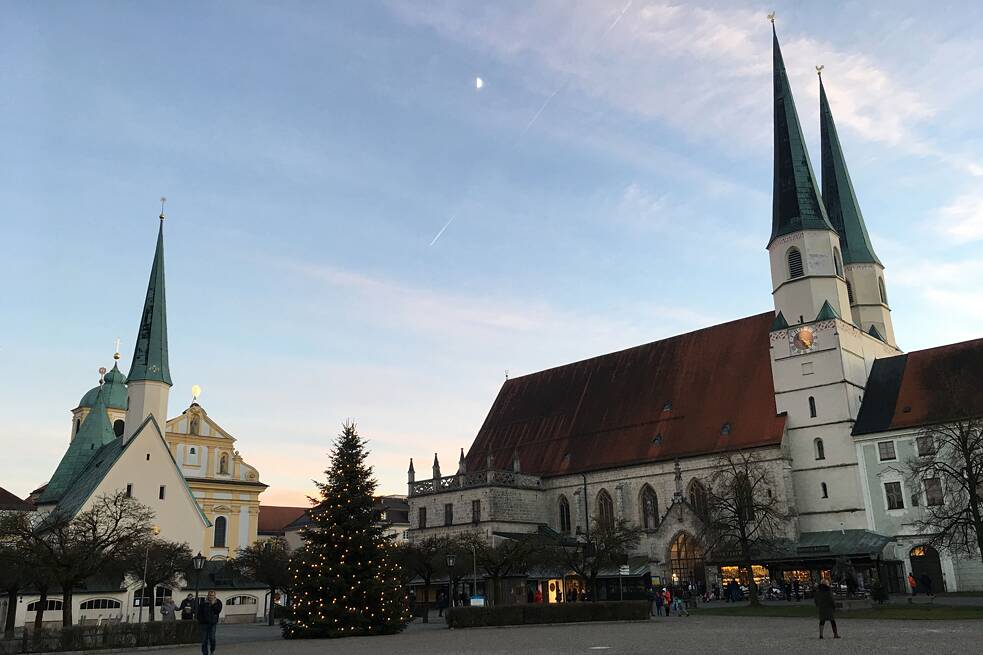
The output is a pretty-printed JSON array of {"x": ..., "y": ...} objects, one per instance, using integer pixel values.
[
  {"x": 686, "y": 561},
  {"x": 925, "y": 561}
]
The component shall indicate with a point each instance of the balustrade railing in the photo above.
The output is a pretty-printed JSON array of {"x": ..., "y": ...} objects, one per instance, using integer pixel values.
[{"x": 485, "y": 478}]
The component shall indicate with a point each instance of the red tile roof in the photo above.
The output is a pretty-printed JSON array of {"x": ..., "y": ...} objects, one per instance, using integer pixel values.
[
  {"x": 610, "y": 411},
  {"x": 9, "y": 501},
  {"x": 273, "y": 518},
  {"x": 924, "y": 387}
]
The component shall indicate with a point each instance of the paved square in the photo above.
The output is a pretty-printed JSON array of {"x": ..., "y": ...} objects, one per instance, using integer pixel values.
[{"x": 694, "y": 635}]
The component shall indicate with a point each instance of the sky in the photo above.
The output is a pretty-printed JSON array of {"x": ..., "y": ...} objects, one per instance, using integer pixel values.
[{"x": 607, "y": 186}]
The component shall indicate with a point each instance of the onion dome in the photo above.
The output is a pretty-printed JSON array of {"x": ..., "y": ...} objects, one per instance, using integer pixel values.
[{"x": 112, "y": 388}]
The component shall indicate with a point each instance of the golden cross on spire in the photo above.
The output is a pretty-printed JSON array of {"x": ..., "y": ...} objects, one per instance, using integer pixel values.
[
  {"x": 162, "y": 201},
  {"x": 771, "y": 17},
  {"x": 819, "y": 70}
]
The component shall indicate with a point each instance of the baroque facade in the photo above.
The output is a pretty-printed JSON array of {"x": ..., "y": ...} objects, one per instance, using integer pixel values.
[{"x": 636, "y": 434}]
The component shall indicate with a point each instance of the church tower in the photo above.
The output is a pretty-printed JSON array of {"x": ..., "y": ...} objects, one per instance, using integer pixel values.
[
  {"x": 866, "y": 291},
  {"x": 805, "y": 252},
  {"x": 149, "y": 380},
  {"x": 820, "y": 357}
]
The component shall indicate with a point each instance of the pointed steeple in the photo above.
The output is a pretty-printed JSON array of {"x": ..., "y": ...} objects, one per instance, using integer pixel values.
[
  {"x": 150, "y": 353},
  {"x": 826, "y": 312},
  {"x": 838, "y": 194},
  {"x": 796, "y": 203},
  {"x": 779, "y": 323}
]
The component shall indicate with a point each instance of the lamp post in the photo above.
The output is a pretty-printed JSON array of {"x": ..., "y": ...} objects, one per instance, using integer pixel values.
[
  {"x": 199, "y": 563},
  {"x": 146, "y": 564},
  {"x": 451, "y": 560}
]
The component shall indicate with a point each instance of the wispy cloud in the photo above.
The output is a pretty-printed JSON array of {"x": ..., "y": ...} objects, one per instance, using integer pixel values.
[{"x": 962, "y": 219}]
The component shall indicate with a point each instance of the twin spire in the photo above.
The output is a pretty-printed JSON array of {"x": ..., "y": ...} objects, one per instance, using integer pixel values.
[{"x": 797, "y": 203}]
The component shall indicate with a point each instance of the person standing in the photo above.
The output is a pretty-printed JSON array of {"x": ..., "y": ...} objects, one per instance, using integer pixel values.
[
  {"x": 825, "y": 605},
  {"x": 926, "y": 582},
  {"x": 538, "y": 596},
  {"x": 187, "y": 608},
  {"x": 659, "y": 601},
  {"x": 208, "y": 613},
  {"x": 913, "y": 584},
  {"x": 167, "y": 609}
]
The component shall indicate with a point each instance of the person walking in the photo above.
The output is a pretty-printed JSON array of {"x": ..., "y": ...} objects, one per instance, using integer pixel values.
[
  {"x": 913, "y": 584},
  {"x": 167, "y": 609},
  {"x": 659, "y": 602},
  {"x": 825, "y": 605},
  {"x": 187, "y": 608},
  {"x": 650, "y": 595},
  {"x": 208, "y": 613},
  {"x": 441, "y": 603}
]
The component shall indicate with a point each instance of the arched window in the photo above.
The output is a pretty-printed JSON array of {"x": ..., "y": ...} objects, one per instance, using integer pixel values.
[
  {"x": 880, "y": 286},
  {"x": 686, "y": 560},
  {"x": 605, "y": 509},
  {"x": 564, "y": 515},
  {"x": 849, "y": 292},
  {"x": 223, "y": 464},
  {"x": 697, "y": 494},
  {"x": 795, "y": 264},
  {"x": 118, "y": 426},
  {"x": 49, "y": 606},
  {"x": 812, "y": 407},
  {"x": 241, "y": 600},
  {"x": 219, "y": 541},
  {"x": 100, "y": 604},
  {"x": 824, "y": 489},
  {"x": 650, "y": 508},
  {"x": 820, "y": 449},
  {"x": 837, "y": 262}
]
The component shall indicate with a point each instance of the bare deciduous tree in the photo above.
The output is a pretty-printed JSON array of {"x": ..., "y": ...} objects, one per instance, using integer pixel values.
[
  {"x": 164, "y": 563},
  {"x": 499, "y": 560},
  {"x": 609, "y": 544},
  {"x": 744, "y": 514},
  {"x": 266, "y": 561}
]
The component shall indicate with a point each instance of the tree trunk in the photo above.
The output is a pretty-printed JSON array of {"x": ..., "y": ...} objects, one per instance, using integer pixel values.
[
  {"x": 66, "y": 603},
  {"x": 272, "y": 605},
  {"x": 153, "y": 601},
  {"x": 11, "y": 619},
  {"x": 39, "y": 615},
  {"x": 751, "y": 586}
]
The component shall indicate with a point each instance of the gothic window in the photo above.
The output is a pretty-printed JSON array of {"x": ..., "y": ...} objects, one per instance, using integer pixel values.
[
  {"x": 820, "y": 449},
  {"x": 837, "y": 262},
  {"x": 223, "y": 464},
  {"x": 650, "y": 508},
  {"x": 812, "y": 407},
  {"x": 476, "y": 511},
  {"x": 686, "y": 560},
  {"x": 605, "y": 509},
  {"x": 825, "y": 491},
  {"x": 697, "y": 494},
  {"x": 118, "y": 426},
  {"x": 219, "y": 541},
  {"x": 448, "y": 513},
  {"x": 795, "y": 268},
  {"x": 880, "y": 286},
  {"x": 564, "y": 515},
  {"x": 422, "y": 518},
  {"x": 849, "y": 292}
]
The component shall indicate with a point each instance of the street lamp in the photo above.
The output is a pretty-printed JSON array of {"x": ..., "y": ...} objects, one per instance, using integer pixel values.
[
  {"x": 451, "y": 560},
  {"x": 199, "y": 563},
  {"x": 146, "y": 563}
]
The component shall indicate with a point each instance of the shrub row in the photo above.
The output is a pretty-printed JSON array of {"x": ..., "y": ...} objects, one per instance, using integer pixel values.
[
  {"x": 476, "y": 617},
  {"x": 108, "y": 635}
]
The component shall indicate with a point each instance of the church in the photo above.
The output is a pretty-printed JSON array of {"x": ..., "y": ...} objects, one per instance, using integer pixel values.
[
  {"x": 636, "y": 434},
  {"x": 186, "y": 469}
]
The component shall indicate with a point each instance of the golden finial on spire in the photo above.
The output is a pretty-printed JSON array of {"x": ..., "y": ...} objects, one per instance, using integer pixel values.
[
  {"x": 771, "y": 17},
  {"x": 162, "y": 201},
  {"x": 819, "y": 70},
  {"x": 116, "y": 350},
  {"x": 195, "y": 392}
]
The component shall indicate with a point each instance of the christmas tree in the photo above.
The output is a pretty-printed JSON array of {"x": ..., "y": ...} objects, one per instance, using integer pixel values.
[{"x": 345, "y": 580}]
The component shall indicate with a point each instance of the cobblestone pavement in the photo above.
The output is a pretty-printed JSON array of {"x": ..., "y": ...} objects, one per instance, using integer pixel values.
[{"x": 694, "y": 636}]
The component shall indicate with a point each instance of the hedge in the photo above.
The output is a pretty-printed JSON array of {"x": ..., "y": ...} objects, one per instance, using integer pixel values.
[
  {"x": 107, "y": 635},
  {"x": 476, "y": 617}
]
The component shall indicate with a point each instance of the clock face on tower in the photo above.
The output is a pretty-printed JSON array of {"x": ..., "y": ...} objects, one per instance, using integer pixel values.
[{"x": 803, "y": 339}]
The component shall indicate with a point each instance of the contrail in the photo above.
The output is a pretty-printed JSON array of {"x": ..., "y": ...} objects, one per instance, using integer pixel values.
[
  {"x": 566, "y": 81},
  {"x": 446, "y": 225}
]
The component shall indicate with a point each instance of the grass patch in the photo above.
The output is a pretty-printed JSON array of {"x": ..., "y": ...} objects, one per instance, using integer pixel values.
[{"x": 890, "y": 612}]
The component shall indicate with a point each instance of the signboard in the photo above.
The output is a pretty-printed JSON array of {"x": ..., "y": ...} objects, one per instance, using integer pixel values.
[
  {"x": 624, "y": 570},
  {"x": 477, "y": 601}
]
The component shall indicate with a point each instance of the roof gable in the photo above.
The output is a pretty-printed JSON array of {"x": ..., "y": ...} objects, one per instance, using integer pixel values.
[{"x": 667, "y": 399}]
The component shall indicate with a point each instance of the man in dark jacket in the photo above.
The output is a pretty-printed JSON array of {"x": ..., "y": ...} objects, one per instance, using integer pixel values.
[
  {"x": 207, "y": 615},
  {"x": 187, "y": 608},
  {"x": 825, "y": 605}
]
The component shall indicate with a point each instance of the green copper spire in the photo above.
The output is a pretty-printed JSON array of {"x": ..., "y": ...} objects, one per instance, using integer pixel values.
[
  {"x": 840, "y": 199},
  {"x": 150, "y": 352},
  {"x": 779, "y": 323},
  {"x": 796, "y": 203},
  {"x": 94, "y": 433},
  {"x": 826, "y": 312}
]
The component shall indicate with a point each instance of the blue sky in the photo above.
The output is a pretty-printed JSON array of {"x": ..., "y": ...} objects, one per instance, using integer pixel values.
[{"x": 310, "y": 153}]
